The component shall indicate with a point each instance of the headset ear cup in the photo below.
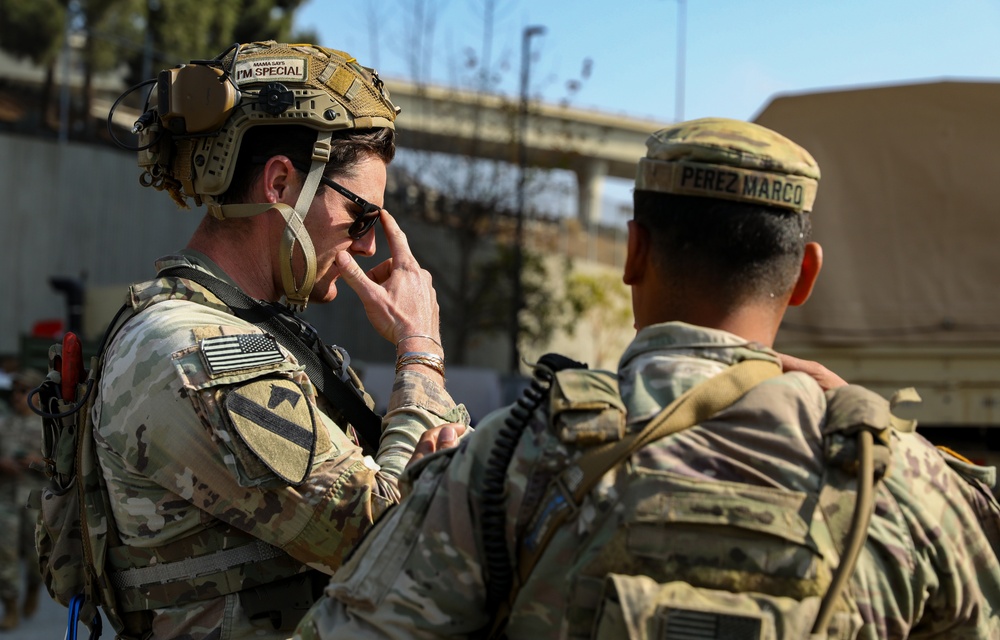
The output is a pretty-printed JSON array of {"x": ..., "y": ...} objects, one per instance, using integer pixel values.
[{"x": 195, "y": 98}]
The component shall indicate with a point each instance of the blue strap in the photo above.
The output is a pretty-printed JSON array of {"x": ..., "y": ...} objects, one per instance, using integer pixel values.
[
  {"x": 73, "y": 622},
  {"x": 74, "y": 617}
]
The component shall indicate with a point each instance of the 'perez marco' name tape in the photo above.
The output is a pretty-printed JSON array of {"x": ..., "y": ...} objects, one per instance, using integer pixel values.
[
  {"x": 729, "y": 183},
  {"x": 284, "y": 69}
]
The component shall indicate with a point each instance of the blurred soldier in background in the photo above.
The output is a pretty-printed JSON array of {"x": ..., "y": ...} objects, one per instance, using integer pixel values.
[
  {"x": 20, "y": 445},
  {"x": 240, "y": 455},
  {"x": 701, "y": 492}
]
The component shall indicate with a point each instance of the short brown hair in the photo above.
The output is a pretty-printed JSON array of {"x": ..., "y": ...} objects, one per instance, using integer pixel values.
[{"x": 263, "y": 142}]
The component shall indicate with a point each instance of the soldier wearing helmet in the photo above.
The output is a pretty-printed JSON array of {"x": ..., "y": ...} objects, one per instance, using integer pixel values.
[
  {"x": 701, "y": 491},
  {"x": 240, "y": 454}
]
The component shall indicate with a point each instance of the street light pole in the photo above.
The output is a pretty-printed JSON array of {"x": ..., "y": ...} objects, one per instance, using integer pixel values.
[{"x": 522, "y": 162}]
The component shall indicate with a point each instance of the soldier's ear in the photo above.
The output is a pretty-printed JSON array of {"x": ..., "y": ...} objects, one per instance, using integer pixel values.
[
  {"x": 812, "y": 262},
  {"x": 638, "y": 253},
  {"x": 279, "y": 179}
]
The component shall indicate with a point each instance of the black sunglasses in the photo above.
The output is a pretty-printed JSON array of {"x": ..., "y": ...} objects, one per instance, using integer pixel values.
[{"x": 369, "y": 212}]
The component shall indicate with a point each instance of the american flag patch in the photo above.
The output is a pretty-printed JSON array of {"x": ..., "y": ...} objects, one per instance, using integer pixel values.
[{"x": 244, "y": 351}]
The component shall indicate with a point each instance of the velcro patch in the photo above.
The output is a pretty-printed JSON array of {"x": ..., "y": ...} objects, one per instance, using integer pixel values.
[
  {"x": 228, "y": 353},
  {"x": 276, "y": 421},
  {"x": 287, "y": 69}
]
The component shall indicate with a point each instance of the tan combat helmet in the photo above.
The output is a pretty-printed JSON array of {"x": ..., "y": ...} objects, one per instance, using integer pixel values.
[
  {"x": 189, "y": 139},
  {"x": 731, "y": 160}
]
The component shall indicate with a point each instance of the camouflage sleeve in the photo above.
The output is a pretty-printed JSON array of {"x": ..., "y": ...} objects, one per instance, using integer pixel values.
[
  {"x": 930, "y": 566},
  {"x": 416, "y": 404},
  {"x": 181, "y": 445},
  {"x": 420, "y": 572}
]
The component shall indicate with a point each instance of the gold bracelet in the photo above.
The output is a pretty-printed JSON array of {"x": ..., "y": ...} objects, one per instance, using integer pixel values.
[
  {"x": 418, "y": 335},
  {"x": 430, "y": 360}
]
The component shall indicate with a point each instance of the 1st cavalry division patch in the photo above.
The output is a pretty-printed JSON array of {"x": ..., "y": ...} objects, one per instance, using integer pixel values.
[{"x": 276, "y": 421}]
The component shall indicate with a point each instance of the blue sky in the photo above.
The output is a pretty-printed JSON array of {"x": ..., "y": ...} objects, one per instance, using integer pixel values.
[{"x": 737, "y": 53}]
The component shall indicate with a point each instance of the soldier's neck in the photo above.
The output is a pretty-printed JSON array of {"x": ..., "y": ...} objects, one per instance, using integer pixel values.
[
  {"x": 243, "y": 256},
  {"x": 754, "y": 323}
]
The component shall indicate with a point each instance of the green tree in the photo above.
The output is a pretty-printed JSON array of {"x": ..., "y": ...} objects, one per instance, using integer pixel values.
[
  {"x": 145, "y": 35},
  {"x": 604, "y": 302},
  {"x": 269, "y": 20},
  {"x": 34, "y": 29},
  {"x": 171, "y": 38},
  {"x": 108, "y": 27}
]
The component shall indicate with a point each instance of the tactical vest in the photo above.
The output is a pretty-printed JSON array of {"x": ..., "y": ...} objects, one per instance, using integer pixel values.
[
  {"x": 675, "y": 592},
  {"x": 85, "y": 564}
]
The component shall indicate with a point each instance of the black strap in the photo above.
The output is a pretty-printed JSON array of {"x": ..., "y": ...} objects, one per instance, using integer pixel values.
[{"x": 343, "y": 396}]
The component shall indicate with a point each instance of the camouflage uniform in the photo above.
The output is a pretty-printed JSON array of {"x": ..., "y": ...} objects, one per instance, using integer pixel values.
[
  {"x": 181, "y": 469},
  {"x": 929, "y": 564}
]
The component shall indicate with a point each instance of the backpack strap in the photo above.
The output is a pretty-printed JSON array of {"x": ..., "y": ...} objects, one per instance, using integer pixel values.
[
  {"x": 853, "y": 412},
  {"x": 565, "y": 495},
  {"x": 288, "y": 330}
]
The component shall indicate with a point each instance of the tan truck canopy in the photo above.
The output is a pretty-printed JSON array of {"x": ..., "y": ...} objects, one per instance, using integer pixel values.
[{"x": 908, "y": 213}]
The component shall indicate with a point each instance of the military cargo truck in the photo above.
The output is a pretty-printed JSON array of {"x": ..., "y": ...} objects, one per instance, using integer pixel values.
[{"x": 908, "y": 214}]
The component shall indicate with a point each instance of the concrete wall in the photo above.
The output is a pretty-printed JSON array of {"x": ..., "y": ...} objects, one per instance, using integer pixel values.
[{"x": 74, "y": 210}]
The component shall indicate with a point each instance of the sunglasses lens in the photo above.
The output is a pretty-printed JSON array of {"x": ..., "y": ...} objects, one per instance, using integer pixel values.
[{"x": 362, "y": 225}]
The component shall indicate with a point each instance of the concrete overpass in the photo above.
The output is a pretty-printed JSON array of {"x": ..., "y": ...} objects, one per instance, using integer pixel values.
[{"x": 591, "y": 144}]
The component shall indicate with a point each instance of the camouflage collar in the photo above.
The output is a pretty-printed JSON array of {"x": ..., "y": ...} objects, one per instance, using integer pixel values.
[
  {"x": 682, "y": 337},
  {"x": 144, "y": 294},
  {"x": 665, "y": 360}
]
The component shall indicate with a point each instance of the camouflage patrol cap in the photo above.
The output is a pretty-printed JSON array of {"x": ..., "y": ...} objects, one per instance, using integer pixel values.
[{"x": 731, "y": 160}]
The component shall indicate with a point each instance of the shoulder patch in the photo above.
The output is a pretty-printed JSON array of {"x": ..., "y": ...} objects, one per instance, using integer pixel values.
[
  {"x": 276, "y": 421},
  {"x": 229, "y": 353}
]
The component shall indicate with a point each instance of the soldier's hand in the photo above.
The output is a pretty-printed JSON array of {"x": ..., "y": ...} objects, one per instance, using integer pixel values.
[
  {"x": 444, "y": 437},
  {"x": 826, "y": 378},
  {"x": 397, "y": 294}
]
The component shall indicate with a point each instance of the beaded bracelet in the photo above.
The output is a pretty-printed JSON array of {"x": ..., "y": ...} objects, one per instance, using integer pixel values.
[{"x": 430, "y": 360}]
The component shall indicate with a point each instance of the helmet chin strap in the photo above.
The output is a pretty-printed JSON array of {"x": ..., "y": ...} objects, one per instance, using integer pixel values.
[{"x": 296, "y": 295}]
